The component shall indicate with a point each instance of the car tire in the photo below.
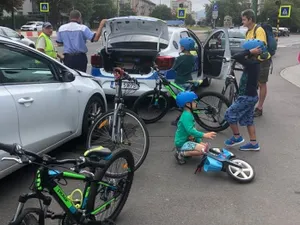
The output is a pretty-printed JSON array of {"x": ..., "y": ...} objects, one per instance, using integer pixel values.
[
  {"x": 206, "y": 82},
  {"x": 87, "y": 117},
  {"x": 32, "y": 46}
]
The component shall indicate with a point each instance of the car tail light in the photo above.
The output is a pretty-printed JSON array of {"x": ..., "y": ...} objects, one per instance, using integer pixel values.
[
  {"x": 96, "y": 61},
  {"x": 164, "y": 62}
]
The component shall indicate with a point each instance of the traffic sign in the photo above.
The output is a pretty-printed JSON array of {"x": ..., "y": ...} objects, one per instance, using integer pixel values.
[
  {"x": 285, "y": 11},
  {"x": 215, "y": 7},
  {"x": 215, "y": 15},
  {"x": 181, "y": 13},
  {"x": 44, "y": 7}
]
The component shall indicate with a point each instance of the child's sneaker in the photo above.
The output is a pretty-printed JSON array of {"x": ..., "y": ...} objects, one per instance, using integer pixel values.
[
  {"x": 180, "y": 158},
  {"x": 234, "y": 141},
  {"x": 250, "y": 147}
]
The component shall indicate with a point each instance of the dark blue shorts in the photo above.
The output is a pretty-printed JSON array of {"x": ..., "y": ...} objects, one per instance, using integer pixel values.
[{"x": 242, "y": 111}]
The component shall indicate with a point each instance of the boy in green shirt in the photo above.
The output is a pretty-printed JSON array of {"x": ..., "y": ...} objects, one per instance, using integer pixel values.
[
  {"x": 184, "y": 65},
  {"x": 188, "y": 140}
]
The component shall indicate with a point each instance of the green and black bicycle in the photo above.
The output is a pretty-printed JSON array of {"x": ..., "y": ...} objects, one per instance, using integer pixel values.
[
  {"x": 109, "y": 188},
  {"x": 154, "y": 105}
]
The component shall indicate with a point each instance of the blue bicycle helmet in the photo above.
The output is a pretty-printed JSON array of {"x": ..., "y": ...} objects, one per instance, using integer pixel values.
[
  {"x": 187, "y": 43},
  {"x": 254, "y": 43},
  {"x": 185, "y": 97}
]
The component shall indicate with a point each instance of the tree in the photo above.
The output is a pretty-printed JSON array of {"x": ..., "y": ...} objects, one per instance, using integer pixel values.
[
  {"x": 269, "y": 14},
  {"x": 125, "y": 10},
  {"x": 232, "y": 8},
  {"x": 189, "y": 20},
  {"x": 8, "y": 4},
  {"x": 162, "y": 12}
]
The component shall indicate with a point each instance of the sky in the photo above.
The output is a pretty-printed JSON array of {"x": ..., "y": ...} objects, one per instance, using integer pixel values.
[{"x": 196, "y": 4}]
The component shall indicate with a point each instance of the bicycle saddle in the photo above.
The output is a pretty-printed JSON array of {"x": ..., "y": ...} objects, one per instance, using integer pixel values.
[{"x": 97, "y": 151}]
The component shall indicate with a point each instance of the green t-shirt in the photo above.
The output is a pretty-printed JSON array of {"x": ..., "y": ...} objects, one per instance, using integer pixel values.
[
  {"x": 183, "y": 66},
  {"x": 185, "y": 129}
]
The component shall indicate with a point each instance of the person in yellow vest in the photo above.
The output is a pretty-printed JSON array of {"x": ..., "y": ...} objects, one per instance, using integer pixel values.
[{"x": 44, "y": 42}]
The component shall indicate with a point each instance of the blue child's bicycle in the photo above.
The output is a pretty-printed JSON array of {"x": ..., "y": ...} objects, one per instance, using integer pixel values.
[{"x": 216, "y": 159}]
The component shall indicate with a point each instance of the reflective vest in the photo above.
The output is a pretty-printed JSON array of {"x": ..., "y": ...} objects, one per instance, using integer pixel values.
[{"x": 49, "y": 47}]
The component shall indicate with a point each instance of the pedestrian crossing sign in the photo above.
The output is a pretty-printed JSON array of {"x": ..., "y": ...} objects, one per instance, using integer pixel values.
[
  {"x": 285, "y": 11},
  {"x": 44, "y": 7},
  {"x": 181, "y": 14}
]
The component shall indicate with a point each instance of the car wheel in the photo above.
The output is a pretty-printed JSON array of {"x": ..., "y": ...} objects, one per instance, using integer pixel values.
[
  {"x": 93, "y": 109},
  {"x": 206, "y": 82},
  {"x": 35, "y": 29},
  {"x": 32, "y": 46}
]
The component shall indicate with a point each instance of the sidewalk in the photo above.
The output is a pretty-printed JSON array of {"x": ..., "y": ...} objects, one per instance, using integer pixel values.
[{"x": 292, "y": 74}]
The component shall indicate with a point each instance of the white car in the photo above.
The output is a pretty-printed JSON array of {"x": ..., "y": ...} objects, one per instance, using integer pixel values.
[
  {"x": 13, "y": 35},
  {"x": 135, "y": 42},
  {"x": 32, "y": 26},
  {"x": 44, "y": 104}
]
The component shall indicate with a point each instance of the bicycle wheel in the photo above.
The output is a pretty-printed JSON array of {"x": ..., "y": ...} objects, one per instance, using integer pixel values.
[
  {"x": 27, "y": 217},
  {"x": 213, "y": 113},
  {"x": 152, "y": 106},
  {"x": 101, "y": 194},
  {"x": 229, "y": 92},
  {"x": 133, "y": 134}
]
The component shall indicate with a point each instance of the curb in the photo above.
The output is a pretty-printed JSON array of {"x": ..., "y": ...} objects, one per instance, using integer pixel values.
[
  {"x": 31, "y": 34},
  {"x": 290, "y": 74}
]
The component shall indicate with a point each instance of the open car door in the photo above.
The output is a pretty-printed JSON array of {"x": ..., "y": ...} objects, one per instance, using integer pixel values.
[{"x": 216, "y": 45}]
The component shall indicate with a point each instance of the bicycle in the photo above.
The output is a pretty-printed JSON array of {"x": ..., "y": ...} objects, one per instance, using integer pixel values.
[
  {"x": 81, "y": 211},
  {"x": 113, "y": 121},
  {"x": 203, "y": 108},
  {"x": 231, "y": 84}
]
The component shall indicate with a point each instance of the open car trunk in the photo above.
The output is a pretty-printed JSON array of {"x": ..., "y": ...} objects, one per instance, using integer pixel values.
[{"x": 133, "y": 43}]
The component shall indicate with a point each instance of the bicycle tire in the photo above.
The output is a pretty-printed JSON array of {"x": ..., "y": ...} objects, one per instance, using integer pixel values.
[
  {"x": 140, "y": 100},
  {"x": 26, "y": 217},
  {"x": 132, "y": 115},
  {"x": 100, "y": 173},
  {"x": 231, "y": 88},
  {"x": 224, "y": 125}
]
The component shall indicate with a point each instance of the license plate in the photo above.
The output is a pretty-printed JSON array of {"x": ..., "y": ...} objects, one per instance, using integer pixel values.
[{"x": 125, "y": 85}]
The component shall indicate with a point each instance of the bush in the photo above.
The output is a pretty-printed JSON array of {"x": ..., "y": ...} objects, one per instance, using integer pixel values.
[{"x": 20, "y": 20}]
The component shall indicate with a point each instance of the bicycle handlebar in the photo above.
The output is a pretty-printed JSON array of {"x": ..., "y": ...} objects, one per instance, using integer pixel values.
[
  {"x": 22, "y": 157},
  {"x": 120, "y": 74}
]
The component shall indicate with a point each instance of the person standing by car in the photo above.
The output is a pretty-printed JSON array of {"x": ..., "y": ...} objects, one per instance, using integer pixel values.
[
  {"x": 45, "y": 44},
  {"x": 73, "y": 36},
  {"x": 249, "y": 21}
]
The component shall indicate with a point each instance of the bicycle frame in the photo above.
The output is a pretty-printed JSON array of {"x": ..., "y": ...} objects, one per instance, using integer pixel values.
[{"x": 45, "y": 179}]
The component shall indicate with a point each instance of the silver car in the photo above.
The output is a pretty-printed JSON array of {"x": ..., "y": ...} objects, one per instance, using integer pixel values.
[
  {"x": 43, "y": 103},
  {"x": 13, "y": 35}
]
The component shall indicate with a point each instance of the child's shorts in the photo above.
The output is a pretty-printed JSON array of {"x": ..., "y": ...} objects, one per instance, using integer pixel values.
[
  {"x": 242, "y": 111},
  {"x": 188, "y": 146}
]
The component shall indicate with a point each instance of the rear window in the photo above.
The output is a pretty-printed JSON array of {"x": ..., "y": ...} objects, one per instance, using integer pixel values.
[{"x": 237, "y": 34}]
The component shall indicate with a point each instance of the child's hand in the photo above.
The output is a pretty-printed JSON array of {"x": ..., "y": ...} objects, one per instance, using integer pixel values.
[
  {"x": 210, "y": 135},
  {"x": 191, "y": 138}
]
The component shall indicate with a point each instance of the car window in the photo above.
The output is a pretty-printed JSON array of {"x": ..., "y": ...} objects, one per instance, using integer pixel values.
[
  {"x": 216, "y": 41},
  {"x": 30, "y": 23},
  {"x": 184, "y": 34},
  {"x": 22, "y": 67},
  {"x": 10, "y": 33}
]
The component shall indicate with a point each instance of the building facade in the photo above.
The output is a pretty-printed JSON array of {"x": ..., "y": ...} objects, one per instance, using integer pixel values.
[
  {"x": 140, "y": 7},
  {"x": 186, "y": 4}
]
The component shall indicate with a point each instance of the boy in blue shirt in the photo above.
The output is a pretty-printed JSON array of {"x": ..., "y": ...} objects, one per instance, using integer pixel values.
[
  {"x": 188, "y": 140},
  {"x": 242, "y": 110}
]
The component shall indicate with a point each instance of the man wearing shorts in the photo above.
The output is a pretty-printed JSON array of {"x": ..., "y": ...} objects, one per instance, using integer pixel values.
[{"x": 248, "y": 19}]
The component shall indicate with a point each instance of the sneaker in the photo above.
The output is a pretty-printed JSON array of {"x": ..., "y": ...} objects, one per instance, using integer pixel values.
[
  {"x": 250, "y": 147},
  {"x": 258, "y": 112},
  {"x": 180, "y": 158},
  {"x": 234, "y": 141}
]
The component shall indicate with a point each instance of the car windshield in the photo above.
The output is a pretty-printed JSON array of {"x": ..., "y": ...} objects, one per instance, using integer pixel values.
[
  {"x": 30, "y": 23},
  {"x": 237, "y": 34}
]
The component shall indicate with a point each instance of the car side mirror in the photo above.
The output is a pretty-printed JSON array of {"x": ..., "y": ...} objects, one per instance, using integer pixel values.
[
  {"x": 21, "y": 36},
  {"x": 67, "y": 76}
]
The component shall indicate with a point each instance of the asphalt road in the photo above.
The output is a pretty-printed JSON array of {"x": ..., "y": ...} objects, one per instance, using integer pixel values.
[{"x": 166, "y": 193}]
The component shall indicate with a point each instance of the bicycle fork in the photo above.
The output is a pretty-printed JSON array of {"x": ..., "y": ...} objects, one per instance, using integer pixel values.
[{"x": 117, "y": 130}]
